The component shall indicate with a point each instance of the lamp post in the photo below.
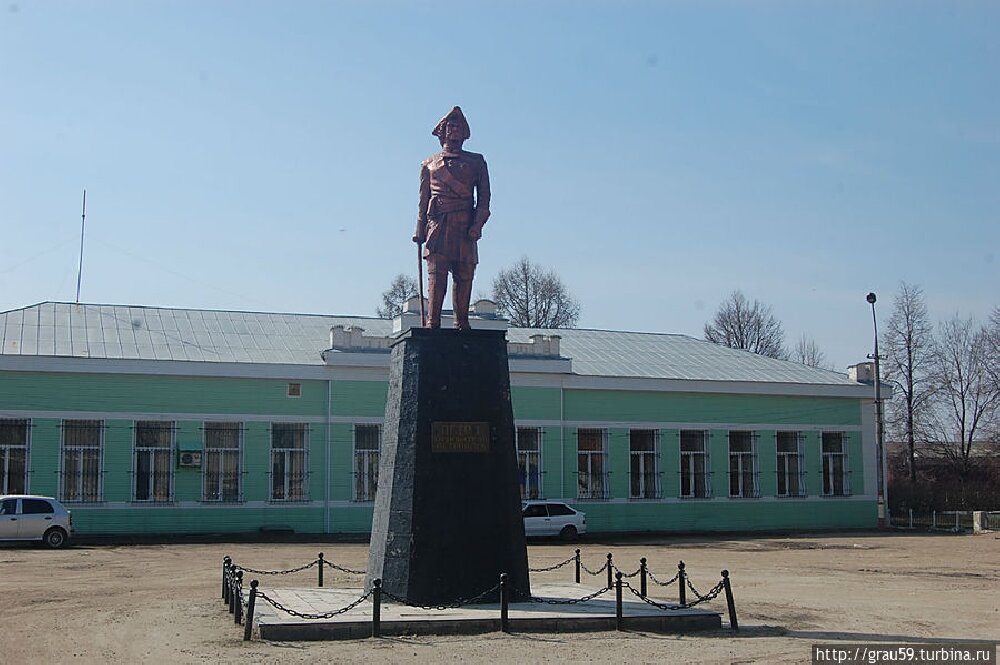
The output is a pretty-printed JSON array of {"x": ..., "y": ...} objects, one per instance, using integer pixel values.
[{"x": 880, "y": 470}]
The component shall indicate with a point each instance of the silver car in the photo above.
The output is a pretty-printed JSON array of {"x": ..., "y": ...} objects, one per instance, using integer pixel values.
[
  {"x": 552, "y": 518},
  {"x": 30, "y": 517}
]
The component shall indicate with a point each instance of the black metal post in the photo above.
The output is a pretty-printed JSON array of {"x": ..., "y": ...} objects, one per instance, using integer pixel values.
[
  {"x": 504, "y": 622},
  {"x": 238, "y": 606},
  {"x": 377, "y": 608},
  {"x": 611, "y": 570},
  {"x": 642, "y": 577},
  {"x": 248, "y": 623},
  {"x": 225, "y": 572},
  {"x": 618, "y": 601},
  {"x": 578, "y": 566},
  {"x": 682, "y": 583},
  {"x": 733, "y": 623},
  {"x": 321, "y": 569},
  {"x": 232, "y": 589}
]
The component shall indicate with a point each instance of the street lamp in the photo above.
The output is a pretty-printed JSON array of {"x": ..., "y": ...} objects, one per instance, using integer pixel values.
[{"x": 880, "y": 471}]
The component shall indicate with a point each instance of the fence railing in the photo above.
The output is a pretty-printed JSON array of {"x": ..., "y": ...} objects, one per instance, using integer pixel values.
[
  {"x": 243, "y": 606},
  {"x": 956, "y": 521}
]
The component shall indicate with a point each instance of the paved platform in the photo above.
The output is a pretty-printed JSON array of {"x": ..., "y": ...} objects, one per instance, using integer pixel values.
[{"x": 592, "y": 615}]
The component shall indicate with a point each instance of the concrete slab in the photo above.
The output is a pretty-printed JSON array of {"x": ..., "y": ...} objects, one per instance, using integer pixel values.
[{"x": 534, "y": 616}]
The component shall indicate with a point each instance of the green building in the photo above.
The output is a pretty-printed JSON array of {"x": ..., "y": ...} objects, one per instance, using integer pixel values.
[{"x": 150, "y": 420}]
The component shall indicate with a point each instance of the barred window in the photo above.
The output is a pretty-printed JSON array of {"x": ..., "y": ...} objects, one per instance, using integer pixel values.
[
  {"x": 529, "y": 461},
  {"x": 592, "y": 474},
  {"x": 289, "y": 462},
  {"x": 221, "y": 462},
  {"x": 82, "y": 443},
  {"x": 695, "y": 468},
  {"x": 743, "y": 465},
  {"x": 14, "y": 455},
  {"x": 152, "y": 471},
  {"x": 789, "y": 464},
  {"x": 644, "y": 454},
  {"x": 367, "y": 444},
  {"x": 835, "y": 473}
]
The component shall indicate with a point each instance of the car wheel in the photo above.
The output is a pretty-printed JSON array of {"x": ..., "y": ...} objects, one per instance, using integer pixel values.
[
  {"x": 54, "y": 538},
  {"x": 568, "y": 533}
]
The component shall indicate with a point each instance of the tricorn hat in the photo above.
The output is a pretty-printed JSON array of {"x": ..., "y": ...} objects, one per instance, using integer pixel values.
[{"x": 455, "y": 115}]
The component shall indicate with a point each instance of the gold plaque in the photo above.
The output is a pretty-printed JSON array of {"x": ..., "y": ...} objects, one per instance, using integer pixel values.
[{"x": 460, "y": 437}]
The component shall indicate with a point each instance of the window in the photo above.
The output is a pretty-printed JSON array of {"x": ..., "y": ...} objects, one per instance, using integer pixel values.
[
  {"x": 529, "y": 461},
  {"x": 695, "y": 471},
  {"x": 36, "y": 507},
  {"x": 220, "y": 463},
  {"x": 14, "y": 455},
  {"x": 289, "y": 470},
  {"x": 789, "y": 464},
  {"x": 153, "y": 472},
  {"x": 367, "y": 442},
  {"x": 644, "y": 452},
  {"x": 835, "y": 479},
  {"x": 81, "y": 460},
  {"x": 592, "y": 481},
  {"x": 743, "y": 465}
]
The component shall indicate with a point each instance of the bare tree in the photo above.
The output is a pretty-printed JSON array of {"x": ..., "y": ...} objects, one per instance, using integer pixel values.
[
  {"x": 807, "y": 352},
  {"x": 908, "y": 341},
  {"x": 751, "y": 326},
  {"x": 532, "y": 297},
  {"x": 403, "y": 288},
  {"x": 967, "y": 396}
]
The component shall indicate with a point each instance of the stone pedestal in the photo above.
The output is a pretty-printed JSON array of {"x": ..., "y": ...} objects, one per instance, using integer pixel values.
[{"x": 447, "y": 516}]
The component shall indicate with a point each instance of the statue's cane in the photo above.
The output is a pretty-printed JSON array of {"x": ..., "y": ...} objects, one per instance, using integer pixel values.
[{"x": 420, "y": 280}]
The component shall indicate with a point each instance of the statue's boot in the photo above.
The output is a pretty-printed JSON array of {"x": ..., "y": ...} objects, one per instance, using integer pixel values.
[
  {"x": 460, "y": 298},
  {"x": 437, "y": 286}
]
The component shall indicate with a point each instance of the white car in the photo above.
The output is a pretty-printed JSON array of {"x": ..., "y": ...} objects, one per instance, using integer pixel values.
[
  {"x": 30, "y": 517},
  {"x": 552, "y": 518}
]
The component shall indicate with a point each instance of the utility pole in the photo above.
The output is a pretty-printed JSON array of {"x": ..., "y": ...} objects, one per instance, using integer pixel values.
[
  {"x": 83, "y": 222},
  {"x": 879, "y": 427}
]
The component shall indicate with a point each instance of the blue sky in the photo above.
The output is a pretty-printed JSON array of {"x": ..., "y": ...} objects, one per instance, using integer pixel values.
[{"x": 657, "y": 155}]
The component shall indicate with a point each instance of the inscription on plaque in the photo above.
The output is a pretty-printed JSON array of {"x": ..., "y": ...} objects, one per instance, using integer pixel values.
[{"x": 460, "y": 437}]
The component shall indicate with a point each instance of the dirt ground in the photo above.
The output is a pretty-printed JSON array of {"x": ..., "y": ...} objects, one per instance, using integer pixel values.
[{"x": 146, "y": 603}]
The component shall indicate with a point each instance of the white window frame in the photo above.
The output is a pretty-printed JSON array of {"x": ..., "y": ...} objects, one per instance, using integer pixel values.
[
  {"x": 784, "y": 461},
  {"x": 747, "y": 467},
  {"x": 530, "y": 483},
  {"x": 687, "y": 462},
  {"x": 76, "y": 468},
  {"x": 218, "y": 475},
  {"x": 154, "y": 465},
  {"x": 366, "y": 461},
  {"x": 287, "y": 455},
  {"x": 587, "y": 489},
  {"x": 648, "y": 485},
  {"x": 828, "y": 466},
  {"x": 5, "y": 484}
]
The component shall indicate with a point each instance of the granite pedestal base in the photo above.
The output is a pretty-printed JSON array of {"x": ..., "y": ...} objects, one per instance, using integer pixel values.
[{"x": 447, "y": 515}]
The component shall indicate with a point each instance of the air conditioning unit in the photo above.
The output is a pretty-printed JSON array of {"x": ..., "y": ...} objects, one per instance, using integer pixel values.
[{"x": 189, "y": 459}]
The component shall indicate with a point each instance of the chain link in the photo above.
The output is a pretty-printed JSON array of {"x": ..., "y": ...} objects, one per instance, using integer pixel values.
[
  {"x": 345, "y": 570},
  {"x": 276, "y": 572},
  {"x": 594, "y": 572},
  {"x": 454, "y": 605},
  {"x": 667, "y": 583},
  {"x": 624, "y": 574},
  {"x": 716, "y": 590},
  {"x": 555, "y": 567},
  {"x": 707, "y": 596},
  {"x": 574, "y": 601},
  {"x": 305, "y": 615}
]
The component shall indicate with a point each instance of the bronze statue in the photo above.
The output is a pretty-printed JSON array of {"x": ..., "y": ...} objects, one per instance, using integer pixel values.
[{"x": 454, "y": 206}]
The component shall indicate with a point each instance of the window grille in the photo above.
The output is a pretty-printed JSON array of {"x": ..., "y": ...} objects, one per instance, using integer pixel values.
[
  {"x": 289, "y": 462},
  {"x": 82, "y": 446},
  {"x": 695, "y": 468},
  {"x": 743, "y": 481},
  {"x": 644, "y": 456},
  {"x": 222, "y": 461},
  {"x": 153, "y": 471},
  {"x": 367, "y": 444},
  {"x": 14, "y": 455},
  {"x": 529, "y": 461},
  {"x": 836, "y": 481},
  {"x": 592, "y": 474},
  {"x": 789, "y": 468}
]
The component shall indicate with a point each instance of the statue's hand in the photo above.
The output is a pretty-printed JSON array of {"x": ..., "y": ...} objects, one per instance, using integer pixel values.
[
  {"x": 475, "y": 232},
  {"x": 419, "y": 238}
]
